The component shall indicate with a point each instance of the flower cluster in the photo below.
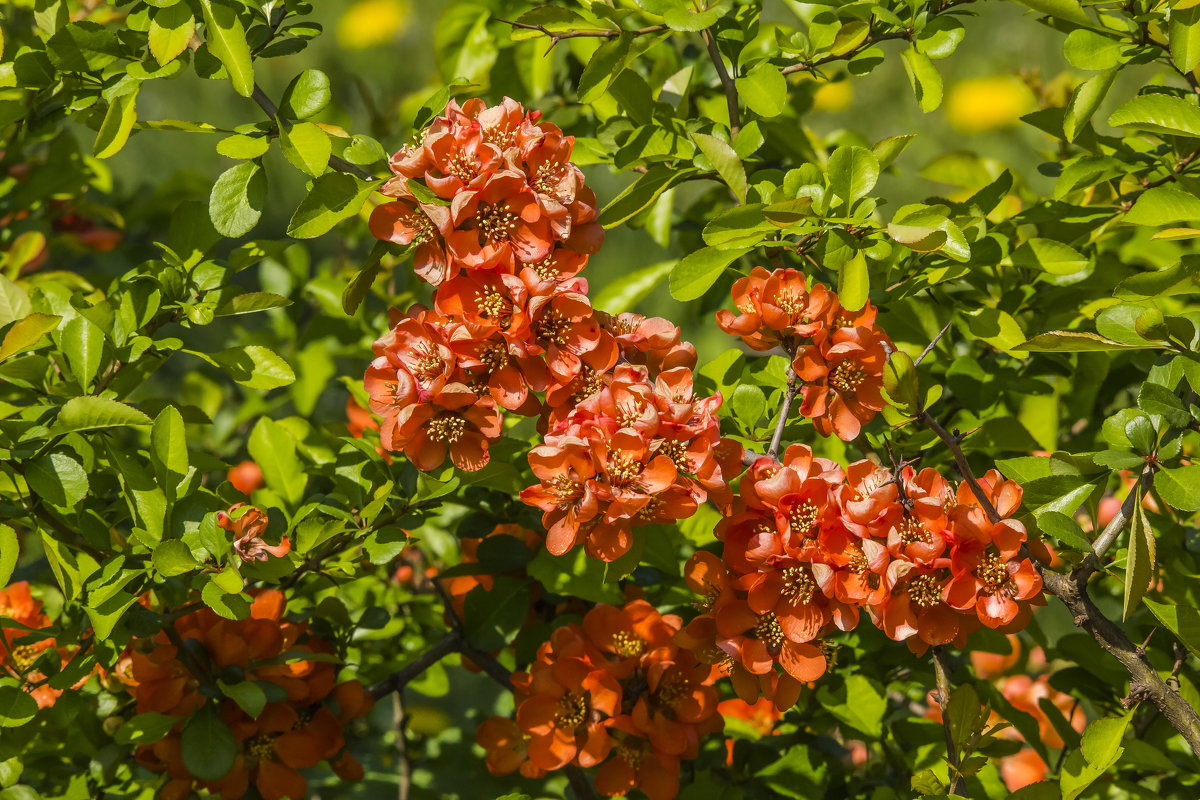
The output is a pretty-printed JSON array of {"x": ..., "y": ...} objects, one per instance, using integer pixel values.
[
  {"x": 637, "y": 451},
  {"x": 503, "y": 223},
  {"x": 838, "y": 354},
  {"x": 809, "y": 546},
  {"x": 300, "y": 725},
  {"x": 615, "y": 692},
  {"x": 22, "y": 649}
]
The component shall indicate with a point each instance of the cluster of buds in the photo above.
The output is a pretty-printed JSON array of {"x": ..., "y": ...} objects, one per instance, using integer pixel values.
[
  {"x": 299, "y": 727},
  {"x": 637, "y": 451},
  {"x": 838, "y": 354},
  {"x": 615, "y": 692},
  {"x": 23, "y": 648},
  {"x": 809, "y": 546}
]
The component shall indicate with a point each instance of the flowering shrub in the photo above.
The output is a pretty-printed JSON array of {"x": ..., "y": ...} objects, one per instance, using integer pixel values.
[{"x": 332, "y": 473}]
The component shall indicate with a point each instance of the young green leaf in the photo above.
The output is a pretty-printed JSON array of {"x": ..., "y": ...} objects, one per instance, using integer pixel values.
[
  {"x": 1139, "y": 566},
  {"x": 209, "y": 748},
  {"x": 227, "y": 42},
  {"x": 238, "y": 198},
  {"x": 117, "y": 125},
  {"x": 306, "y": 95},
  {"x": 307, "y": 147},
  {"x": 171, "y": 29}
]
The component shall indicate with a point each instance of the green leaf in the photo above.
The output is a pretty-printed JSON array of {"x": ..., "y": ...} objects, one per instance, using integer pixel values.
[
  {"x": 1087, "y": 49},
  {"x": 274, "y": 449},
  {"x": 10, "y": 546},
  {"x": 463, "y": 45},
  {"x": 90, "y": 412},
  {"x": 1065, "y": 529},
  {"x": 1077, "y": 342},
  {"x": 171, "y": 29},
  {"x": 334, "y": 197},
  {"x": 238, "y": 198},
  {"x": 253, "y": 366},
  {"x": 492, "y": 618},
  {"x": 1183, "y": 35},
  {"x": 997, "y": 328},
  {"x": 249, "y": 696},
  {"x": 1163, "y": 205},
  {"x": 1139, "y": 567},
  {"x": 682, "y": 15},
  {"x": 209, "y": 748},
  {"x": 924, "y": 78},
  {"x": 243, "y": 147},
  {"x": 14, "y": 302},
  {"x": 71, "y": 569},
  {"x": 172, "y": 557},
  {"x": 624, "y": 295},
  {"x": 1069, "y": 10},
  {"x": 554, "y": 19},
  {"x": 356, "y": 290},
  {"x": 725, "y": 161},
  {"x": 640, "y": 194},
  {"x": 857, "y": 702},
  {"x": 854, "y": 285},
  {"x": 251, "y": 302},
  {"x": 1158, "y": 113},
  {"x": 58, "y": 479},
  {"x": 888, "y": 149},
  {"x": 1085, "y": 100},
  {"x": 145, "y": 729},
  {"x": 84, "y": 47},
  {"x": 306, "y": 95},
  {"x": 764, "y": 90},
  {"x": 1181, "y": 620},
  {"x": 227, "y": 42},
  {"x": 697, "y": 272},
  {"x": 604, "y": 66},
  {"x": 168, "y": 446},
  {"x": 117, "y": 124},
  {"x": 900, "y": 382},
  {"x": 748, "y": 404},
  {"x": 1049, "y": 256},
  {"x": 16, "y": 707},
  {"x": 27, "y": 332},
  {"x": 918, "y": 238},
  {"x": 307, "y": 147},
  {"x": 1179, "y": 487},
  {"x": 853, "y": 172},
  {"x": 1099, "y": 751},
  {"x": 1181, "y": 278},
  {"x": 83, "y": 345}
]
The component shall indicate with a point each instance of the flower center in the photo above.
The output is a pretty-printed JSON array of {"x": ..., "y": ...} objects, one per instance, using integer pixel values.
[
  {"x": 494, "y": 357},
  {"x": 546, "y": 269},
  {"x": 552, "y": 329},
  {"x": 847, "y": 377},
  {"x": 24, "y": 656},
  {"x": 652, "y": 509},
  {"x": 993, "y": 574},
  {"x": 571, "y": 711},
  {"x": 803, "y": 517},
  {"x": 790, "y": 302},
  {"x": 858, "y": 562},
  {"x": 497, "y": 222},
  {"x": 798, "y": 586},
  {"x": 501, "y": 136},
  {"x": 911, "y": 531},
  {"x": 677, "y": 451},
  {"x": 589, "y": 382},
  {"x": 448, "y": 429},
  {"x": 428, "y": 363},
  {"x": 629, "y": 413},
  {"x": 566, "y": 491},
  {"x": 627, "y": 644},
  {"x": 462, "y": 167},
  {"x": 622, "y": 469},
  {"x": 422, "y": 227},
  {"x": 628, "y": 325},
  {"x": 547, "y": 177},
  {"x": 492, "y": 304},
  {"x": 924, "y": 591},
  {"x": 671, "y": 689},
  {"x": 768, "y": 629},
  {"x": 260, "y": 747}
]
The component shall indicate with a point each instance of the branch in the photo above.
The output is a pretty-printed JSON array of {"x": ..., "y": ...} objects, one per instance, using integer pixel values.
[
  {"x": 943, "y": 700},
  {"x": 731, "y": 95},
  {"x": 271, "y": 110},
  {"x": 555, "y": 38},
  {"x": 793, "y": 386},
  {"x": 929, "y": 347},
  {"x": 1144, "y": 681},
  {"x": 870, "y": 40},
  {"x": 1111, "y": 531},
  {"x": 401, "y": 677}
]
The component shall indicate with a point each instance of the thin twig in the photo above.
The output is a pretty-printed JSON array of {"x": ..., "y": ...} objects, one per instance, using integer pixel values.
[
  {"x": 793, "y": 386},
  {"x": 929, "y": 347},
  {"x": 731, "y": 95},
  {"x": 1115, "y": 526},
  {"x": 556, "y": 37},
  {"x": 943, "y": 700}
]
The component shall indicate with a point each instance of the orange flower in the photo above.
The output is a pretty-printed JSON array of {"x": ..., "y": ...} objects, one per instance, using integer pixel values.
[
  {"x": 248, "y": 528},
  {"x": 246, "y": 477},
  {"x": 23, "y": 649},
  {"x": 843, "y": 377}
]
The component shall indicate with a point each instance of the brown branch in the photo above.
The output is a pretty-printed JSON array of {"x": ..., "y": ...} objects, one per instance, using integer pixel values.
[
  {"x": 335, "y": 162},
  {"x": 731, "y": 95},
  {"x": 943, "y": 700},
  {"x": 555, "y": 38},
  {"x": 409, "y": 672},
  {"x": 793, "y": 386},
  {"x": 929, "y": 347},
  {"x": 1091, "y": 562},
  {"x": 1144, "y": 682},
  {"x": 811, "y": 66}
]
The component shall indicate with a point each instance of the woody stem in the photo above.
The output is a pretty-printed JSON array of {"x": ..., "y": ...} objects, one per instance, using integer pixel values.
[
  {"x": 793, "y": 386},
  {"x": 943, "y": 700},
  {"x": 1144, "y": 680}
]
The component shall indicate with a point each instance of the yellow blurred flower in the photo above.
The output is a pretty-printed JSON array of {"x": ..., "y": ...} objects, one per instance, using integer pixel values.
[
  {"x": 833, "y": 96},
  {"x": 370, "y": 23},
  {"x": 976, "y": 105}
]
